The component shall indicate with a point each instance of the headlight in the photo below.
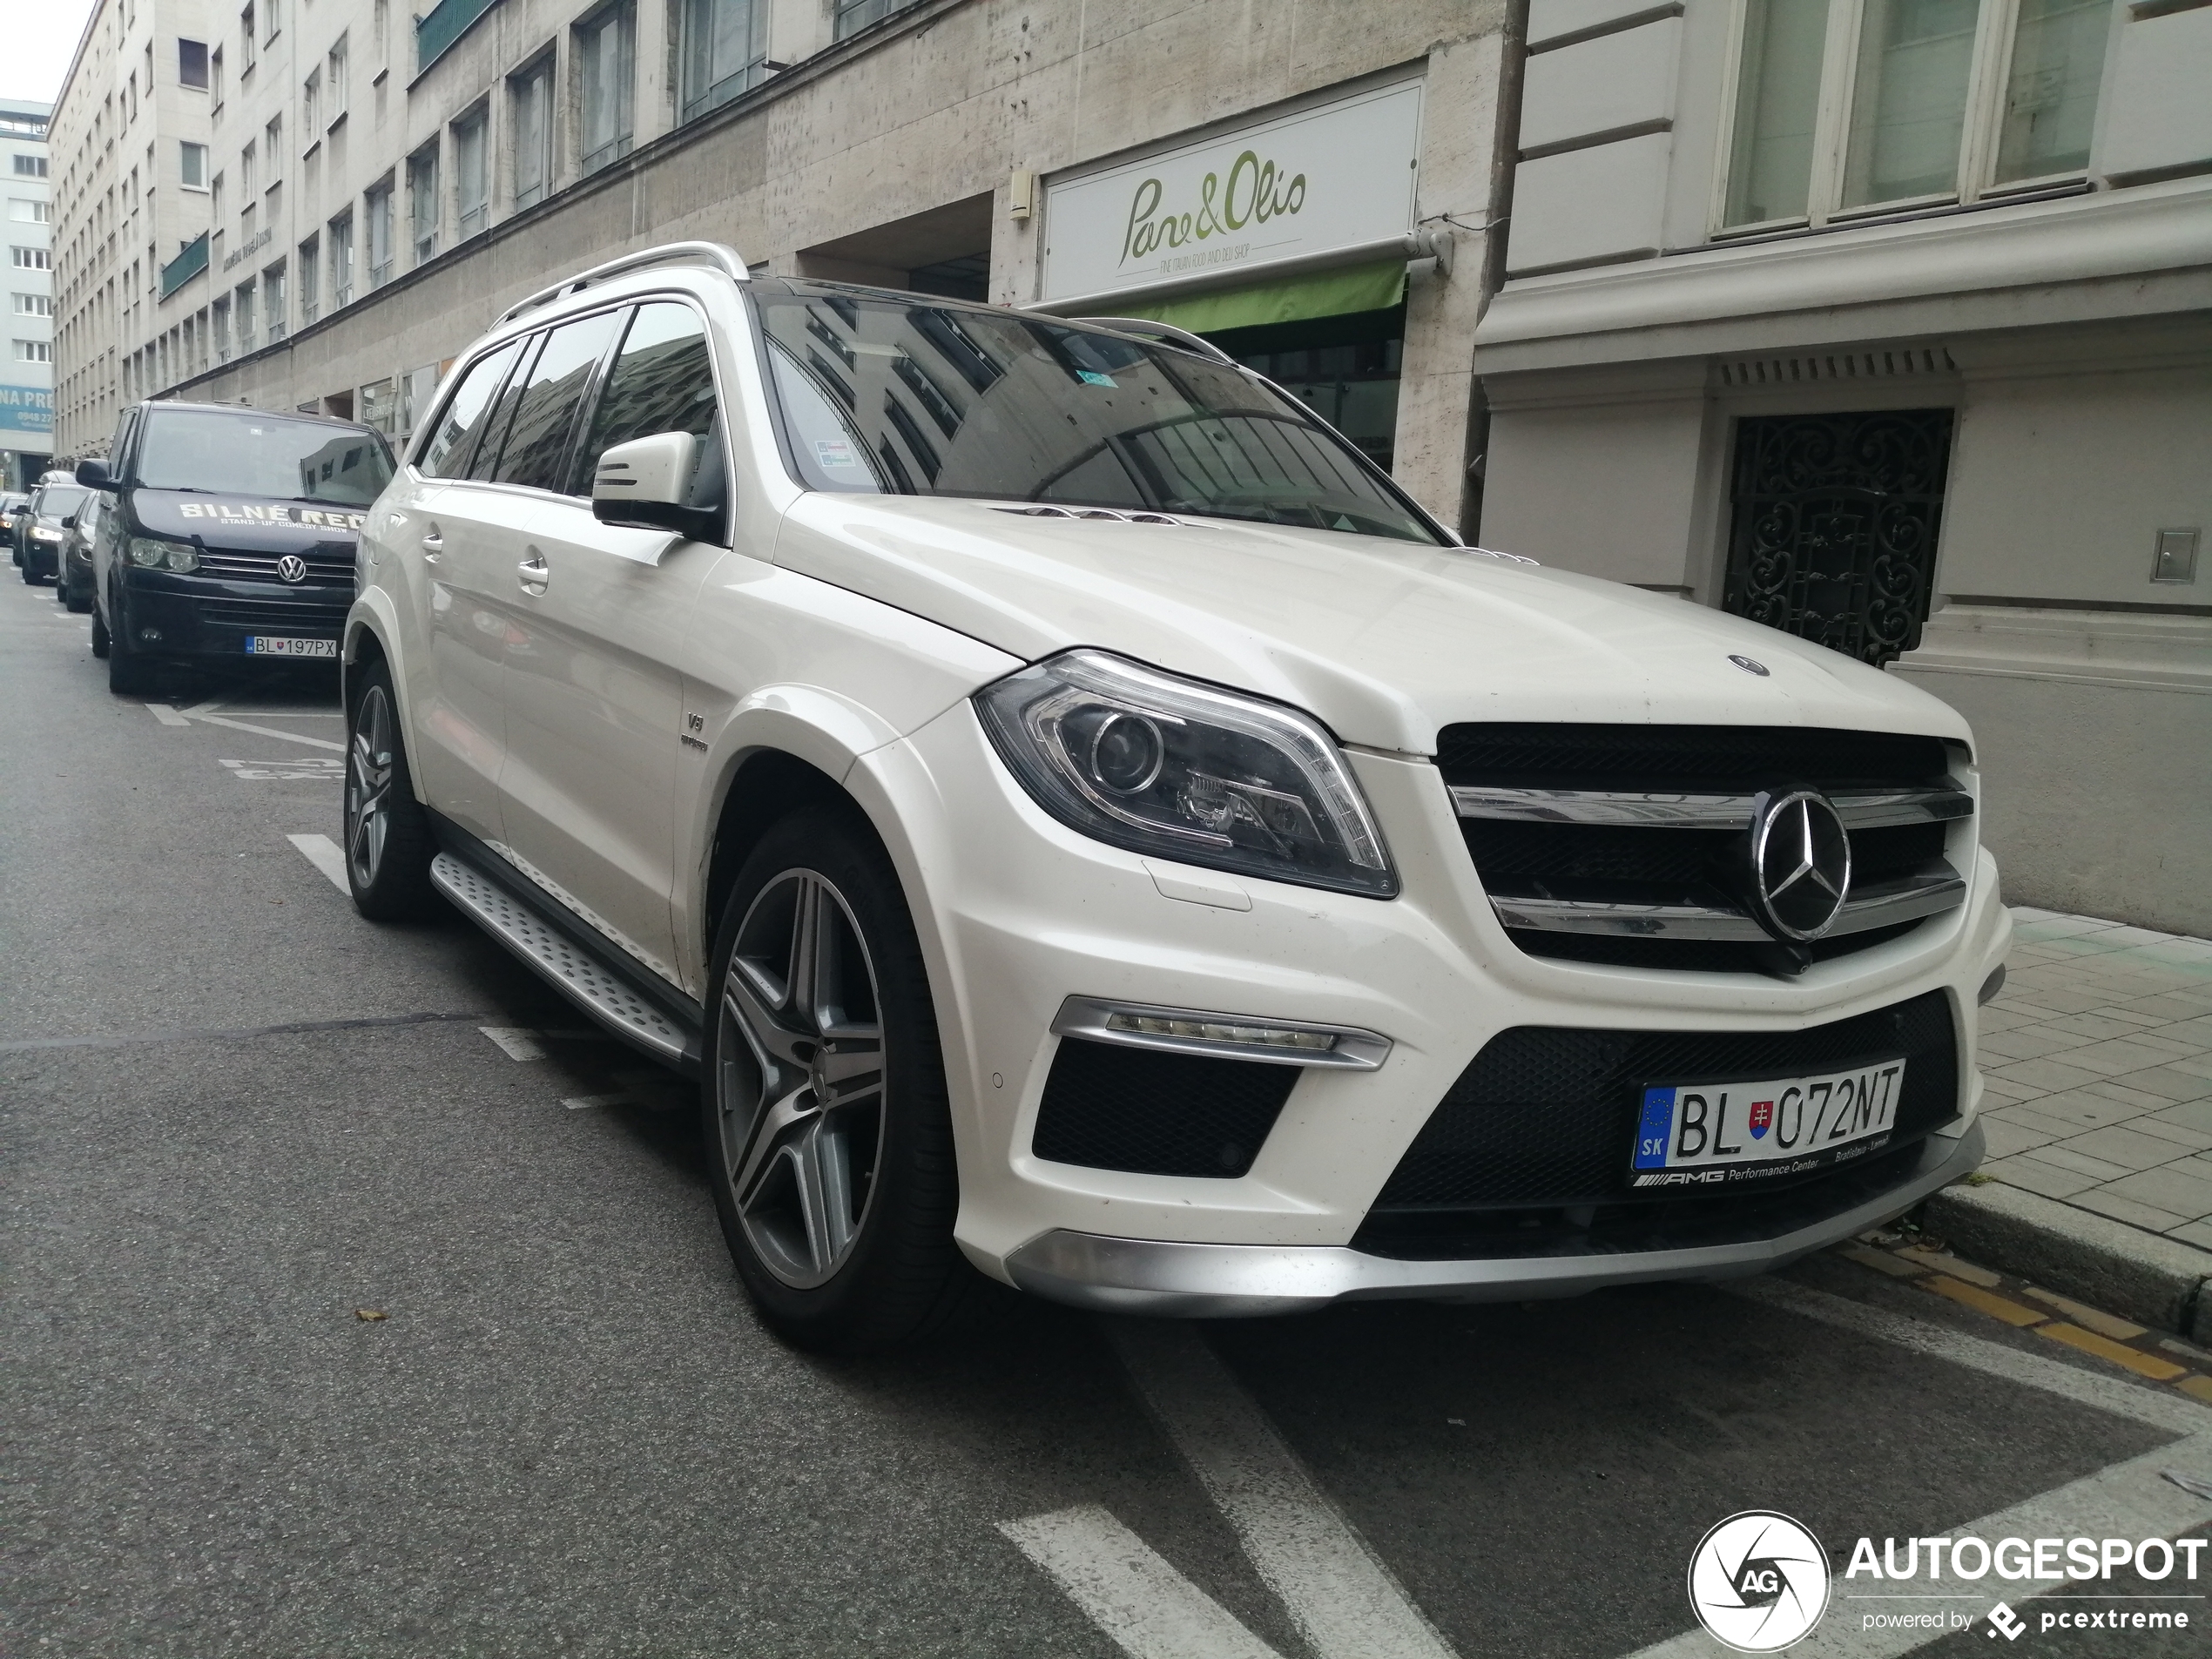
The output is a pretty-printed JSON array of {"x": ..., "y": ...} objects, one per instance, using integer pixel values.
[
  {"x": 1147, "y": 761},
  {"x": 148, "y": 554},
  {"x": 39, "y": 534}
]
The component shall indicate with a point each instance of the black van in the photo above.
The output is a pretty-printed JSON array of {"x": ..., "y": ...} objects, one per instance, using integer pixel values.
[{"x": 232, "y": 537}]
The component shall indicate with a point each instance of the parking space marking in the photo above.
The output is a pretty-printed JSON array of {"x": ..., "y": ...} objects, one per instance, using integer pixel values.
[
  {"x": 586, "y": 1102},
  {"x": 1129, "y": 1591},
  {"x": 322, "y": 852},
  {"x": 517, "y": 1043},
  {"x": 266, "y": 731},
  {"x": 1340, "y": 1594},
  {"x": 167, "y": 715},
  {"x": 233, "y": 1034},
  {"x": 303, "y": 768},
  {"x": 2129, "y": 1500}
]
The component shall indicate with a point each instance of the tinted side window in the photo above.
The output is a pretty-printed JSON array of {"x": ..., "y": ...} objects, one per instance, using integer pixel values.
[
  {"x": 537, "y": 442},
  {"x": 663, "y": 381},
  {"x": 446, "y": 456}
]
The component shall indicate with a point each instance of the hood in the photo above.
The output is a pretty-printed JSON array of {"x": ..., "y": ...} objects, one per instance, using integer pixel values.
[
  {"x": 1386, "y": 642},
  {"x": 249, "y": 523}
]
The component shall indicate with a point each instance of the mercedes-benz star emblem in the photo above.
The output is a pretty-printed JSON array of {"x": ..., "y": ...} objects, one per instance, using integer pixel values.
[
  {"x": 1749, "y": 665},
  {"x": 292, "y": 567},
  {"x": 1800, "y": 863}
]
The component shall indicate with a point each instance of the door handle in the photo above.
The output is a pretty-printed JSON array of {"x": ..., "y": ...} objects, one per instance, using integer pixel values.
[
  {"x": 432, "y": 543},
  {"x": 534, "y": 572}
]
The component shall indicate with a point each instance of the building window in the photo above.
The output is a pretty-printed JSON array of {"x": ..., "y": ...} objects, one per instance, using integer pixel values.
[
  {"x": 30, "y": 166},
  {"x": 192, "y": 63},
  {"x": 34, "y": 351},
  {"x": 247, "y": 158},
  {"x": 272, "y": 148},
  {"x": 311, "y": 103},
  {"x": 422, "y": 201},
  {"x": 272, "y": 300},
  {"x": 377, "y": 204},
  {"x": 472, "y": 174},
  {"x": 724, "y": 44},
  {"x": 215, "y": 77},
  {"x": 853, "y": 15},
  {"x": 192, "y": 165},
  {"x": 222, "y": 331},
  {"x": 310, "y": 281},
  {"x": 341, "y": 260},
  {"x": 244, "y": 312},
  {"x": 1845, "y": 106},
  {"x": 271, "y": 19},
  {"x": 337, "y": 68},
  {"x": 34, "y": 304},
  {"x": 31, "y": 259},
  {"x": 30, "y": 213},
  {"x": 244, "y": 42},
  {"x": 606, "y": 47},
  {"x": 533, "y": 103}
]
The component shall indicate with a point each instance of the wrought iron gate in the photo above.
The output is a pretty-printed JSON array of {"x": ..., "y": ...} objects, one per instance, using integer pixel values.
[{"x": 1835, "y": 524}]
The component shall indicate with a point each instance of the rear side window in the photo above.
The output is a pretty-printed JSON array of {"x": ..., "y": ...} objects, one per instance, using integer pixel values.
[
  {"x": 446, "y": 456},
  {"x": 537, "y": 442},
  {"x": 663, "y": 381}
]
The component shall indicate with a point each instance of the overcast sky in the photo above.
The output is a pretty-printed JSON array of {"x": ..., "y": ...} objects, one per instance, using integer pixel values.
[{"x": 36, "y": 44}]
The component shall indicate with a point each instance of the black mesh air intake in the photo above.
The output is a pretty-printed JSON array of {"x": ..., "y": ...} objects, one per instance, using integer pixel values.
[
  {"x": 1547, "y": 1115},
  {"x": 1110, "y": 1107}
]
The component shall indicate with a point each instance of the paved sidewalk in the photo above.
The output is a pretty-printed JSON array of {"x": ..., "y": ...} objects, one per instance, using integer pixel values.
[{"x": 2098, "y": 1062}]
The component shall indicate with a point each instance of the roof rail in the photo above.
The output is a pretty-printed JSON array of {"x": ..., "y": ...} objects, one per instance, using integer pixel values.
[
  {"x": 715, "y": 254},
  {"x": 1166, "y": 332}
]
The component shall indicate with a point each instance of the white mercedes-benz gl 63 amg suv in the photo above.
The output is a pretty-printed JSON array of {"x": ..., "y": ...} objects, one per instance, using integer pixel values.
[{"x": 1083, "y": 826}]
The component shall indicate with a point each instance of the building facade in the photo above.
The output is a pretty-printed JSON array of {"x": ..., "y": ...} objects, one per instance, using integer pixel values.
[
  {"x": 128, "y": 157},
  {"x": 1309, "y": 182},
  {"x": 1889, "y": 322},
  {"x": 27, "y": 375}
]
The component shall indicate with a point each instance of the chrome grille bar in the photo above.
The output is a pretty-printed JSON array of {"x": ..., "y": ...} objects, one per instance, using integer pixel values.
[
  {"x": 1622, "y": 808},
  {"x": 1934, "y": 890}
]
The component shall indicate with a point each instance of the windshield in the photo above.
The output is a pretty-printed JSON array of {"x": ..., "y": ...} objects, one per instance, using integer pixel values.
[
  {"x": 886, "y": 396},
  {"x": 254, "y": 453},
  {"x": 54, "y": 501}
]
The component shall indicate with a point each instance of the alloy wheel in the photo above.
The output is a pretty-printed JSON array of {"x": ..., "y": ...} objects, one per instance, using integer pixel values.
[
  {"x": 369, "y": 788},
  {"x": 799, "y": 1078}
]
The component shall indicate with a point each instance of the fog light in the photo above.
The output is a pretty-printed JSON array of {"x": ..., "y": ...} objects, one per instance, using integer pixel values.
[{"x": 151, "y": 636}]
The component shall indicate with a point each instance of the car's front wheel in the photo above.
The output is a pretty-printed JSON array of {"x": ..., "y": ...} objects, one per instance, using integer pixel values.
[
  {"x": 828, "y": 1133},
  {"x": 101, "y": 643},
  {"x": 128, "y": 674},
  {"x": 389, "y": 845}
]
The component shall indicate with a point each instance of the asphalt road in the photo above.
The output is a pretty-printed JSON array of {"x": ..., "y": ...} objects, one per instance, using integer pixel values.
[{"x": 236, "y": 1114}]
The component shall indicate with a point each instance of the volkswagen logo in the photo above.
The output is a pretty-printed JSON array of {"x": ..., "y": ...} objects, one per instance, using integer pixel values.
[
  {"x": 292, "y": 567},
  {"x": 1800, "y": 863}
]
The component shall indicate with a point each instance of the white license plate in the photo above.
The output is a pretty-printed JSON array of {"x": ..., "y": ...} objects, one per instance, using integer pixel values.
[
  {"x": 267, "y": 645},
  {"x": 1709, "y": 1134}
]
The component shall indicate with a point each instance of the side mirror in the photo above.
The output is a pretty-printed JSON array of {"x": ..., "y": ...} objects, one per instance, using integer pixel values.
[
  {"x": 641, "y": 484},
  {"x": 94, "y": 475},
  {"x": 70, "y": 523}
]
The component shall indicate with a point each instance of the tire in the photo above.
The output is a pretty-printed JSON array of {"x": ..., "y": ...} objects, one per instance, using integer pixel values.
[
  {"x": 386, "y": 832},
  {"x": 29, "y": 577},
  {"x": 843, "y": 1234},
  {"x": 99, "y": 633},
  {"x": 128, "y": 674},
  {"x": 76, "y": 607}
]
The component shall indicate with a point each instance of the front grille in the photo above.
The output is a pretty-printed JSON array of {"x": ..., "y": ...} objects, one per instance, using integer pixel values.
[
  {"x": 1545, "y": 1115},
  {"x": 330, "y": 564},
  {"x": 272, "y": 615},
  {"x": 1695, "y": 868},
  {"x": 1111, "y": 1107}
]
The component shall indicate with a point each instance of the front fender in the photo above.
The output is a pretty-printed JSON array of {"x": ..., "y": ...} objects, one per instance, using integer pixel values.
[{"x": 374, "y": 617}]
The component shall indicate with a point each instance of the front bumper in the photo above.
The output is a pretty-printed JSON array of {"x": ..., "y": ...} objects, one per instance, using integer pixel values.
[
  {"x": 1233, "y": 1281},
  {"x": 200, "y": 618},
  {"x": 41, "y": 557}
]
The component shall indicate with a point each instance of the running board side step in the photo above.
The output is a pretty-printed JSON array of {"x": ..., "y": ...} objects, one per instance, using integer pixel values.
[{"x": 568, "y": 967}]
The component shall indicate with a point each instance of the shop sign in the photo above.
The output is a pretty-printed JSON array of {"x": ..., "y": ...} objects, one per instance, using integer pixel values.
[
  {"x": 26, "y": 409},
  {"x": 1339, "y": 175}
]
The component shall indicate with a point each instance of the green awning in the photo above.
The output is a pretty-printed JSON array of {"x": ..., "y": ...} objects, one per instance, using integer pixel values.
[{"x": 1320, "y": 293}]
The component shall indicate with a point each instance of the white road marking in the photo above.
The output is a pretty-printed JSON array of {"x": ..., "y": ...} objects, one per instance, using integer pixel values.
[
  {"x": 1131, "y": 1592},
  {"x": 2161, "y": 1408},
  {"x": 2128, "y": 1499},
  {"x": 1343, "y": 1600},
  {"x": 266, "y": 730},
  {"x": 519, "y": 1041},
  {"x": 167, "y": 715},
  {"x": 585, "y": 1102},
  {"x": 322, "y": 852},
  {"x": 311, "y": 768}
]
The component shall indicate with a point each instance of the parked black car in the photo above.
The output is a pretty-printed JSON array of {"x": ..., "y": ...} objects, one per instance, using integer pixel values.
[
  {"x": 231, "y": 539},
  {"x": 11, "y": 503},
  {"x": 73, "y": 581},
  {"x": 39, "y": 532}
]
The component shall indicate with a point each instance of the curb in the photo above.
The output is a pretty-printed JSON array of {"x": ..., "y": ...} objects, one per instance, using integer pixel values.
[{"x": 2153, "y": 1280}]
